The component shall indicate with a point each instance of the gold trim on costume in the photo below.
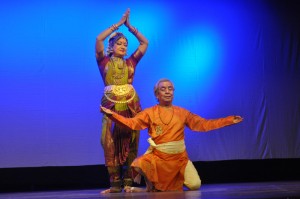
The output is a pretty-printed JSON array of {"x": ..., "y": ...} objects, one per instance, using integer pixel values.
[
  {"x": 119, "y": 91},
  {"x": 158, "y": 130}
]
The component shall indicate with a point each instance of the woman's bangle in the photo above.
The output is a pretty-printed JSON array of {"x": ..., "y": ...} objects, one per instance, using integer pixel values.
[
  {"x": 113, "y": 27},
  {"x": 133, "y": 30}
]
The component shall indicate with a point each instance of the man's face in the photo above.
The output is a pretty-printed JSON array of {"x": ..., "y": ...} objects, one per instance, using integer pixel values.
[
  {"x": 120, "y": 47},
  {"x": 165, "y": 93}
]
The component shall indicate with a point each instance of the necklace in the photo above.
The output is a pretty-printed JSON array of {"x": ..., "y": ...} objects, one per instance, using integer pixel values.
[
  {"x": 169, "y": 120},
  {"x": 118, "y": 60}
]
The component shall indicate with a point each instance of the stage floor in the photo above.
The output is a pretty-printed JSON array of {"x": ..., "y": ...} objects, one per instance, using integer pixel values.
[{"x": 287, "y": 190}]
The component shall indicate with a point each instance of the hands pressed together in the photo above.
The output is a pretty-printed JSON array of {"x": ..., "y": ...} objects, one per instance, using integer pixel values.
[{"x": 125, "y": 19}]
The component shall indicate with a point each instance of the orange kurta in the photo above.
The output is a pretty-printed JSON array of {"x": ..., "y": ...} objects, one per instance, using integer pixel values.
[{"x": 166, "y": 171}]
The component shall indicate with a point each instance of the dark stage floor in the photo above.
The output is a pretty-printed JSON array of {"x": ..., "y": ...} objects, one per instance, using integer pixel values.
[{"x": 288, "y": 190}]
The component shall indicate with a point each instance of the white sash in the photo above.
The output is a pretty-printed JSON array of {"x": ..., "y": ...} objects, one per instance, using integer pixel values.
[{"x": 173, "y": 147}]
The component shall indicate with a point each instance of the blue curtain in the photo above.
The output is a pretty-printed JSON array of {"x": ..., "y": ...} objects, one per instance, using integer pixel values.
[{"x": 224, "y": 57}]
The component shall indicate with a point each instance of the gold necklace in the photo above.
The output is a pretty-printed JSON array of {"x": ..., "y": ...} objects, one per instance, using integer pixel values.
[{"x": 169, "y": 120}]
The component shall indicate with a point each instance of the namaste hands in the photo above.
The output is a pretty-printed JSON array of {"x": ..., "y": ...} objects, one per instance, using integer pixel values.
[{"x": 125, "y": 19}]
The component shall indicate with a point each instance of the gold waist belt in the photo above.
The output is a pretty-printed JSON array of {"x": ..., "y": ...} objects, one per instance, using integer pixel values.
[{"x": 119, "y": 91}]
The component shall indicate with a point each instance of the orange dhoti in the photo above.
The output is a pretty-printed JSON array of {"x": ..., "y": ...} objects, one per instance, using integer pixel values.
[{"x": 165, "y": 171}]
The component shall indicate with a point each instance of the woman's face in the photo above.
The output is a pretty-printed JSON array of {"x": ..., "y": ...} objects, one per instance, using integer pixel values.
[{"x": 120, "y": 47}]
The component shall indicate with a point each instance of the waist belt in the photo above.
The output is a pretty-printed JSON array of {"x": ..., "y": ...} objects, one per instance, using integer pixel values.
[{"x": 119, "y": 91}]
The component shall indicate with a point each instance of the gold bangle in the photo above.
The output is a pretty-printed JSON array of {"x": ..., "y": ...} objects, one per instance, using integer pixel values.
[
  {"x": 113, "y": 27},
  {"x": 133, "y": 30}
]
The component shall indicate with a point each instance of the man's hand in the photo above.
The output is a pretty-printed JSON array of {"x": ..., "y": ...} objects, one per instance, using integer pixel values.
[
  {"x": 237, "y": 119},
  {"x": 105, "y": 110}
]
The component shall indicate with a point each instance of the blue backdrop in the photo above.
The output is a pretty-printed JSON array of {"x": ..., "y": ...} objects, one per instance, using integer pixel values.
[{"x": 224, "y": 57}]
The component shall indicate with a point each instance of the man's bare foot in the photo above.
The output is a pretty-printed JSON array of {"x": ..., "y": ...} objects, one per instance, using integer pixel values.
[{"x": 128, "y": 189}]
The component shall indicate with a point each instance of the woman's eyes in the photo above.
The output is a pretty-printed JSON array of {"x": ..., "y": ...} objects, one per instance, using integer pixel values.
[{"x": 119, "y": 44}]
